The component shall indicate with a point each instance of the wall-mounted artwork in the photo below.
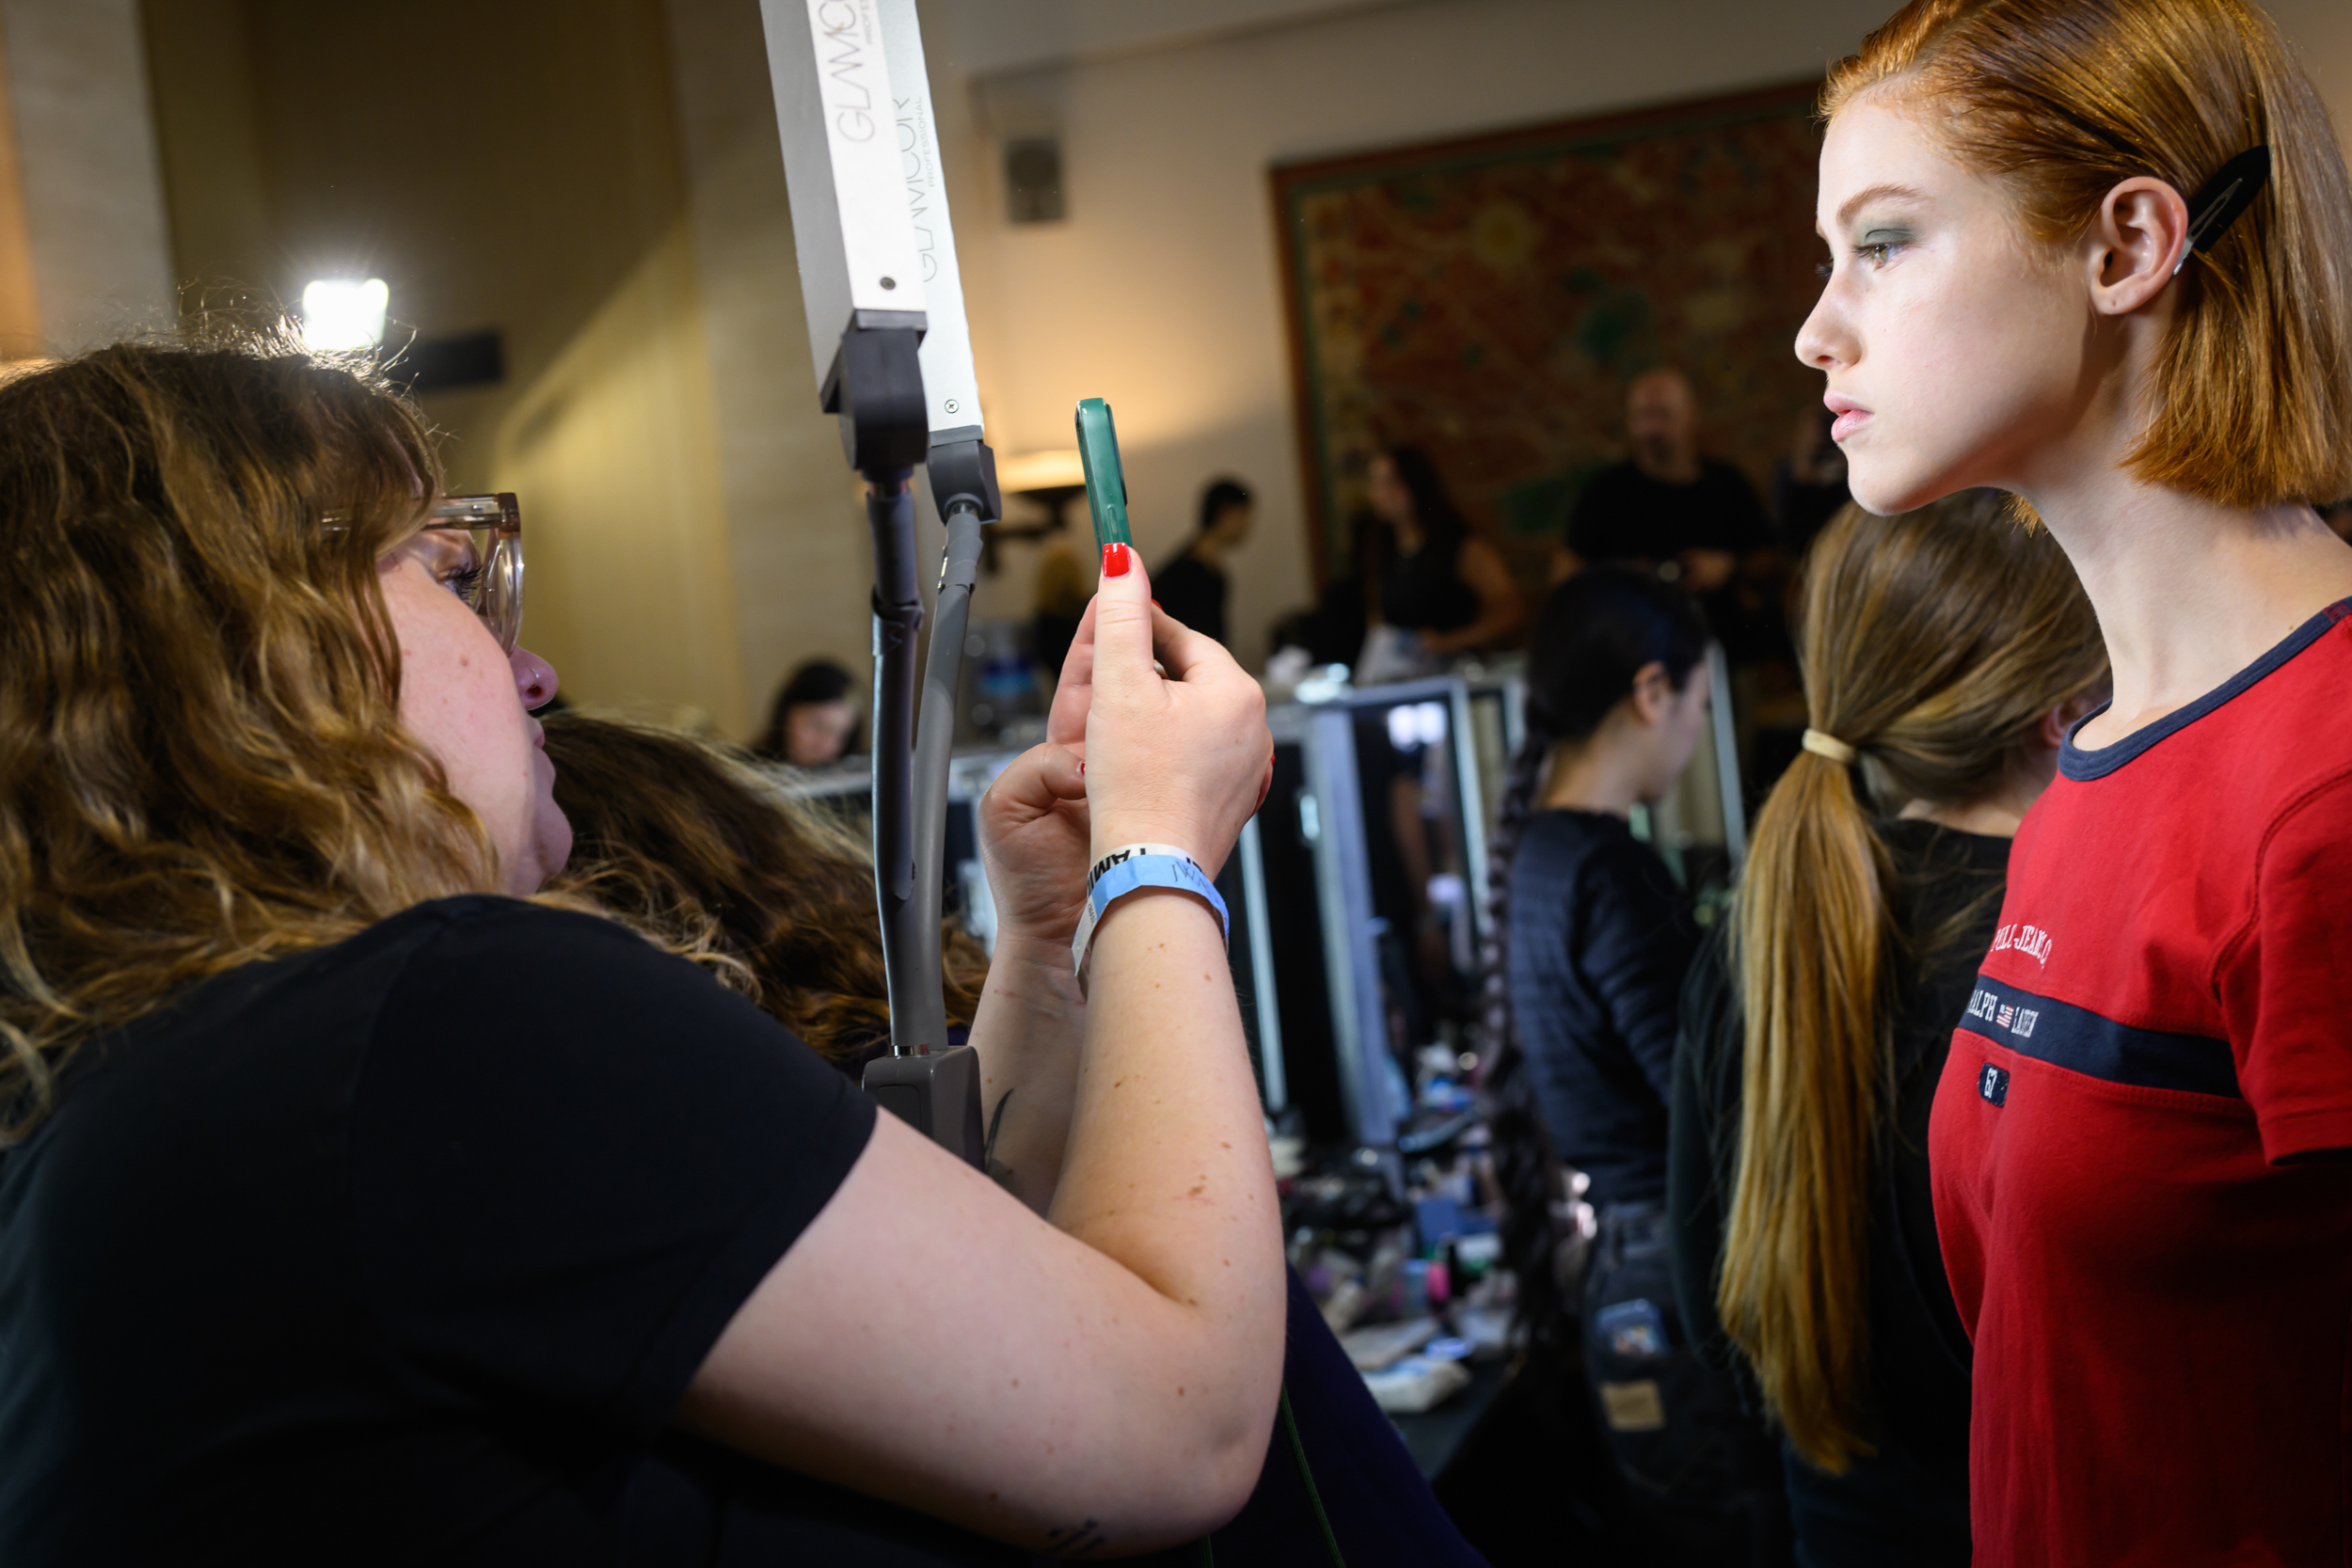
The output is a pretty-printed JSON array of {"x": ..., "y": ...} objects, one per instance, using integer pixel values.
[{"x": 1489, "y": 298}]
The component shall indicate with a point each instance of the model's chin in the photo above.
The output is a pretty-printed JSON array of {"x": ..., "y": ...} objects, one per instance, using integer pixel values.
[{"x": 1884, "y": 487}]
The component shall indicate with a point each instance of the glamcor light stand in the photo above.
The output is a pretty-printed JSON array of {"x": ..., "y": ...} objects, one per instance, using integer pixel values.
[{"x": 879, "y": 278}]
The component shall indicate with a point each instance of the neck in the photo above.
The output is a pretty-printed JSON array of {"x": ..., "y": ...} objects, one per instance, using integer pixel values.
[
  {"x": 2000, "y": 813},
  {"x": 1208, "y": 550},
  {"x": 1592, "y": 775},
  {"x": 1682, "y": 467},
  {"x": 1989, "y": 818},
  {"x": 2187, "y": 592}
]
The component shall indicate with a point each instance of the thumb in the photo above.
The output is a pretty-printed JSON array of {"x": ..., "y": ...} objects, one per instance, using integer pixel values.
[{"x": 1122, "y": 623}]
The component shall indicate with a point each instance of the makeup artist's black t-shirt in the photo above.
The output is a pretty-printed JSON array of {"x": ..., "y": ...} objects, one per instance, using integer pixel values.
[{"x": 403, "y": 1250}]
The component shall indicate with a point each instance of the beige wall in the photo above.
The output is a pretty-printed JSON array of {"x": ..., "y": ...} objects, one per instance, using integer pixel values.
[
  {"x": 83, "y": 256},
  {"x": 795, "y": 537},
  {"x": 1161, "y": 292},
  {"x": 19, "y": 304},
  {"x": 517, "y": 167}
]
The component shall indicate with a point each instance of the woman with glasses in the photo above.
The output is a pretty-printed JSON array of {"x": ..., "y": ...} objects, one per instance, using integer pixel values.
[{"x": 360, "y": 1203}]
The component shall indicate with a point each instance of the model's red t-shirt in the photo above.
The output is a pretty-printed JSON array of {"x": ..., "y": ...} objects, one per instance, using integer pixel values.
[{"x": 2145, "y": 1212}]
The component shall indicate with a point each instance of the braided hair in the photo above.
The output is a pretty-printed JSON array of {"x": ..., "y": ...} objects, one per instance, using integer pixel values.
[{"x": 1593, "y": 635}]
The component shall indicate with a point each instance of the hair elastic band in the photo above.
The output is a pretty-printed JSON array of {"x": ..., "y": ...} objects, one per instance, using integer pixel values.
[
  {"x": 1174, "y": 869},
  {"x": 1829, "y": 745}
]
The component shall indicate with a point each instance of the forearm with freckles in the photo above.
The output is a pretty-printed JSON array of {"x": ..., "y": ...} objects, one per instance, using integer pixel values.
[
  {"x": 1029, "y": 1033},
  {"x": 1167, "y": 1169}
]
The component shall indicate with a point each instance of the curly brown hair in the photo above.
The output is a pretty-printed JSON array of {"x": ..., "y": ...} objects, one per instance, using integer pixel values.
[
  {"x": 202, "y": 758},
  {"x": 697, "y": 848}
]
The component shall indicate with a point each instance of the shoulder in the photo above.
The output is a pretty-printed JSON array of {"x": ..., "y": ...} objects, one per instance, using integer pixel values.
[
  {"x": 1607, "y": 488},
  {"x": 1622, "y": 865},
  {"x": 512, "y": 999},
  {"x": 513, "y": 947},
  {"x": 1728, "y": 476}
]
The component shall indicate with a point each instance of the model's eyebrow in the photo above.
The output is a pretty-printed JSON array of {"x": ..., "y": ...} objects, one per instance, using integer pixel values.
[{"x": 1876, "y": 192}]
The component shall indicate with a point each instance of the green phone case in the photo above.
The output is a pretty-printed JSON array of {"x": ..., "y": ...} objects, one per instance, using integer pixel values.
[{"x": 1106, "y": 487}]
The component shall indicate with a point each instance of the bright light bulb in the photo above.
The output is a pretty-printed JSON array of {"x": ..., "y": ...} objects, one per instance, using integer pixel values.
[{"x": 344, "y": 313}]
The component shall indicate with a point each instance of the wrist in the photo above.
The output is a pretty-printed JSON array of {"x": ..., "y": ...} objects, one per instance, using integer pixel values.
[{"x": 1048, "y": 951}]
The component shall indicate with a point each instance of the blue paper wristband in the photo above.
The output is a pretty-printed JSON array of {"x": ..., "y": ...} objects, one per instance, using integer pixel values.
[{"x": 1133, "y": 875}]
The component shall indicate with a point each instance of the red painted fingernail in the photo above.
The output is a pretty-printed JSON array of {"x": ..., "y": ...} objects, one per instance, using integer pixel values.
[
  {"x": 1116, "y": 560},
  {"x": 1155, "y": 603},
  {"x": 1082, "y": 769}
]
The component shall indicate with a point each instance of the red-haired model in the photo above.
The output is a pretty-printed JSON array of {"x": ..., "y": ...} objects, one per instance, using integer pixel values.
[{"x": 2095, "y": 252}]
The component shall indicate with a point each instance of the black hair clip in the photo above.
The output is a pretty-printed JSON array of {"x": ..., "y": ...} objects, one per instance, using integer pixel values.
[{"x": 2221, "y": 199}]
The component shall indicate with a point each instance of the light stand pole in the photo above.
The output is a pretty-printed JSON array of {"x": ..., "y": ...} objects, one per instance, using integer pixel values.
[{"x": 878, "y": 274}]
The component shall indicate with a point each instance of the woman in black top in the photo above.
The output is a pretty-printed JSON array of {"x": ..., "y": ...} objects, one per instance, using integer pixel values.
[
  {"x": 1423, "y": 569},
  {"x": 1945, "y": 653},
  {"x": 1191, "y": 585},
  {"x": 686, "y": 840},
  {"x": 357, "y": 1205},
  {"x": 1594, "y": 938}
]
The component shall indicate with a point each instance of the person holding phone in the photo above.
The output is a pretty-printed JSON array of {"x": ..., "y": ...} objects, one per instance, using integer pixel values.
[
  {"x": 359, "y": 1204},
  {"x": 2093, "y": 253}
]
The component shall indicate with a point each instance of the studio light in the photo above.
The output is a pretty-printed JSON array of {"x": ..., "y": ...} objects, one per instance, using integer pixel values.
[{"x": 344, "y": 313}]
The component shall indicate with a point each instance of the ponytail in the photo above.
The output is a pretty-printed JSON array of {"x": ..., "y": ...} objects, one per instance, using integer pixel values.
[
  {"x": 1934, "y": 643},
  {"x": 1810, "y": 943},
  {"x": 1527, "y": 1168}
]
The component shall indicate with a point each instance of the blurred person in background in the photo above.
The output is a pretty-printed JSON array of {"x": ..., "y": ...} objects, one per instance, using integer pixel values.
[
  {"x": 1436, "y": 585},
  {"x": 1583, "y": 974},
  {"x": 1667, "y": 502},
  {"x": 1191, "y": 584},
  {"x": 775, "y": 900},
  {"x": 1808, "y": 485},
  {"x": 813, "y": 723},
  {"x": 1058, "y": 603},
  {"x": 1948, "y": 650}
]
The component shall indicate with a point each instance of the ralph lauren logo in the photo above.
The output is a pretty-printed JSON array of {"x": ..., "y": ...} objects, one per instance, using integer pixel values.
[{"x": 1993, "y": 1085}]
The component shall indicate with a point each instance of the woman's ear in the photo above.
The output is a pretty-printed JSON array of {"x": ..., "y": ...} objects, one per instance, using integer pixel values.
[
  {"x": 1653, "y": 693},
  {"x": 2136, "y": 244}
]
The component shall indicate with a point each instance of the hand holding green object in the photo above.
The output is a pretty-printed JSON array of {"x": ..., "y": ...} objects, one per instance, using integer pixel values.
[{"x": 1106, "y": 487}]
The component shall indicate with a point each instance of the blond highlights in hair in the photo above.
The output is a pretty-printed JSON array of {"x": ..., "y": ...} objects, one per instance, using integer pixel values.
[
  {"x": 2061, "y": 99},
  {"x": 201, "y": 759},
  {"x": 1934, "y": 643}
]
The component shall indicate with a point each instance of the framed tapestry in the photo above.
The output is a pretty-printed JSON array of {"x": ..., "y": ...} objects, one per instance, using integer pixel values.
[{"x": 1488, "y": 299}]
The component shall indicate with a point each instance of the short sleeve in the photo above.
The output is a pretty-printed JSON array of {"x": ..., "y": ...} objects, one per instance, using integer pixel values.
[
  {"x": 2286, "y": 983},
  {"x": 573, "y": 1157}
]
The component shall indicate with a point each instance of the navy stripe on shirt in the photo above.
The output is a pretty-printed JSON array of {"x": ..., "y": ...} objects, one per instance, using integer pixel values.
[
  {"x": 2083, "y": 765},
  {"x": 2082, "y": 1041}
]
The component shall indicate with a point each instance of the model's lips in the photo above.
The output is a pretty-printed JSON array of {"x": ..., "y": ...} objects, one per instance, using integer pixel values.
[{"x": 1851, "y": 416}]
